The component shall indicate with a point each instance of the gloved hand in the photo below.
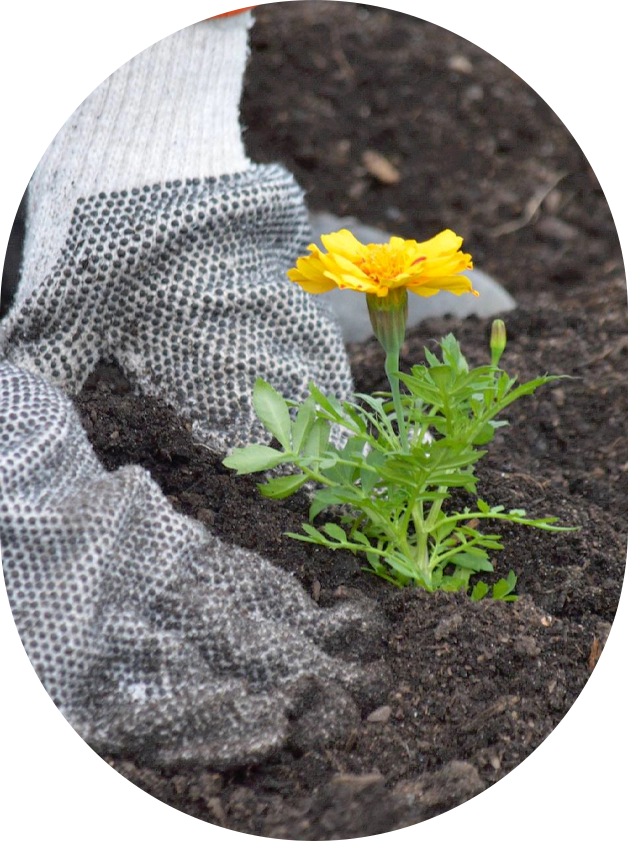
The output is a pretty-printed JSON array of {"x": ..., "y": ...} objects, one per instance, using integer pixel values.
[
  {"x": 155, "y": 639},
  {"x": 184, "y": 285},
  {"x": 153, "y": 241}
]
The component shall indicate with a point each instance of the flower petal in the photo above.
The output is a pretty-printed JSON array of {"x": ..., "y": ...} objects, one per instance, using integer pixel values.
[
  {"x": 309, "y": 274},
  {"x": 348, "y": 281},
  {"x": 458, "y": 285},
  {"x": 444, "y": 243},
  {"x": 315, "y": 287},
  {"x": 448, "y": 264},
  {"x": 344, "y": 243},
  {"x": 335, "y": 265}
]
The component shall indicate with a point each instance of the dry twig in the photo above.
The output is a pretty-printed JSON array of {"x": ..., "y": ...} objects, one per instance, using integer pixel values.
[{"x": 530, "y": 210}]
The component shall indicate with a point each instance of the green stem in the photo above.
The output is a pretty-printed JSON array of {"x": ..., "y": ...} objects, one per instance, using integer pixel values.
[
  {"x": 421, "y": 554},
  {"x": 361, "y": 465},
  {"x": 445, "y": 556},
  {"x": 511, "y": 518},
  {"x": 432, "y": 517},
  {"x": 315, "y": 476},
  {"x": 392, "y": 368},
  {"x": 388, "y": 315}
]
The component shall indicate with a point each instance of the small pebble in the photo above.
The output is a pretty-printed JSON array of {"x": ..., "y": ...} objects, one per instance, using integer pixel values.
[{"x": 380, "y": 715}]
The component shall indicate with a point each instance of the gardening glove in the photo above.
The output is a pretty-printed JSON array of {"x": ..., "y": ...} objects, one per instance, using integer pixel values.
[
  {"x": 186, "y": 290},
  {"x": 156, "y": 640},
  {"x": 154, "y": 242}
]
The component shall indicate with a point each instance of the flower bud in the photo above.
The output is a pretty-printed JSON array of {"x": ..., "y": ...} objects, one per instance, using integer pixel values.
[
  {"x": 388, "y": 316},
  {"x": 498, "y": 340}
]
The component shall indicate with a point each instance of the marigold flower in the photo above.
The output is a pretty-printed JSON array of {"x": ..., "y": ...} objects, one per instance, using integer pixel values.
[{"x": 424, "y": 268}]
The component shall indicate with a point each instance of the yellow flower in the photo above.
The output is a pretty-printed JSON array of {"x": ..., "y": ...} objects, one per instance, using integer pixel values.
[{"x": 421, "y": 267}]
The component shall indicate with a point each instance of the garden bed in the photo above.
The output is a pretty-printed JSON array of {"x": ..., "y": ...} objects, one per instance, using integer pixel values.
[{"x": 474, "y": 688}]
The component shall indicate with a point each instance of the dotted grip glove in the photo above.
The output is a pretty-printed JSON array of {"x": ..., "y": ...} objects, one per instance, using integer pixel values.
[
  {"x": 153, "y": 637},
  {"x": 184, "y": 285}
]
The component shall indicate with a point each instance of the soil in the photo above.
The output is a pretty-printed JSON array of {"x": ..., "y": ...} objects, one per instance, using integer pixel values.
[{"x": 475, "y": 687}]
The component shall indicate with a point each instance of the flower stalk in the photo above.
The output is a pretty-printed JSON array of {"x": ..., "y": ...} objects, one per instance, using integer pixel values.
[{"x": 389, "y": 316}]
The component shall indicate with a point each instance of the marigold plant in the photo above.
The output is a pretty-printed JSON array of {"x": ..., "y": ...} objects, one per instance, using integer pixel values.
[{"x": 403, "y": 454}]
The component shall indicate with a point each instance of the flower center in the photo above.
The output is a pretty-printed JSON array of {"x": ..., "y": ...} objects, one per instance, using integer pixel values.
[{"x": 383, "y": 262}]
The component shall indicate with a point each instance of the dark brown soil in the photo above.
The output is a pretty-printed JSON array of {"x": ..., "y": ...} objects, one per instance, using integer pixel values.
[{"x": 476, "y": 687}]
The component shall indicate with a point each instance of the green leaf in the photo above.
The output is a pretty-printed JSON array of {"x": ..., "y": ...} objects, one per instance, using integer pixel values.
[
  {"x": 431, "y": 358},
  {"x": 487, "y": 543},
  {"x": 478, "y": 379},
  {"x": 467, "y": 560},
  {"x": 453, "y": 480},
  {"x": 504, "y": 384},
  {"x": 304, "y": 422},
  {"x": 322, "y": 500},
  {"x": 312, "y": 535},
  {"x": 479, "y": 591},
  {"x": 326, "y": 497},
  {"x": 329, "y": 404},
  {"x": 283, "y": 486},
  {"x": 336, "y": 532},
  {"x": 504, "y": 587},
  {"x": 319, "y": 540},
  {"x": 368, "y": 478},
  {"x": 380, "y": 570},
  {"x": 477, "y": 404},
  {"x": 441, "y": 375},
  {"x": 459, "y": 580},
  {"x": 343, "y": 474},
  {"x": 381, "y": 417},
  {"x": 442, "y": 533},
  {"x": 450, "y": 458},
  {"x": 400, "y": 565},
  {"x": 354, "y": 413},
  {"x": 254, "y": 458},
  {"x": 474, "y": 551},
  {"x": 303, "y": 538},
  {"x": 484, "y": 507},
  {"x": 486, "y": 434},
  {"x": 317, "y": 439},
  {"x": 361, "y": 538},
  {"x": 452, "y": 354},
  {"x": 420, "y": 386},
  {"x": 272, "y": 410},
  {"x": 530, "y": 387},
  {"x": 313, "y": 532}
]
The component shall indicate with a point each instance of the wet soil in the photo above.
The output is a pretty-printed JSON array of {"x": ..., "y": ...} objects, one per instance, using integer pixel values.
[{"x": 475, "y": 687}]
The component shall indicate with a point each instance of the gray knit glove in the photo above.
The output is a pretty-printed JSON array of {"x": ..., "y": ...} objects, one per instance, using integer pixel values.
[
  {"x": 154, "y": 638},
  {"x": 185, "y": 286}
]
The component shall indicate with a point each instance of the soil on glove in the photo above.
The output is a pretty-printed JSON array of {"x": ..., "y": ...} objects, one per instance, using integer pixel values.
[{"x": 461, "y": 142}]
